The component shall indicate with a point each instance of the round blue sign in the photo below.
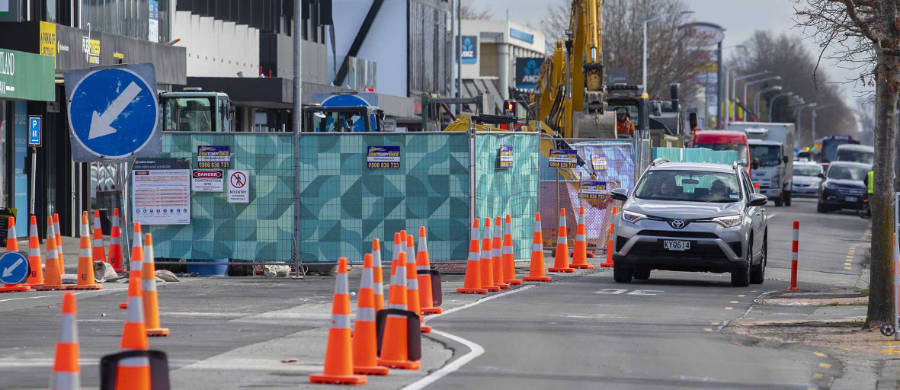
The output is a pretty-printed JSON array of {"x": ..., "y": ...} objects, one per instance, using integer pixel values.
[
  {"x": 113, "y": 112},
  {"x": 13, "y": 268}
]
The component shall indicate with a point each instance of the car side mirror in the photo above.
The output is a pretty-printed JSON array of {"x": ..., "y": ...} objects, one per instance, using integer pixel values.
[
  {"x": 754, "y": 165},
  {"x": 821, "y": 175},
  {"x": 619, "y": 194},
  {"x": 758, "y": 200},
  {"x": 784, "y": 159}
]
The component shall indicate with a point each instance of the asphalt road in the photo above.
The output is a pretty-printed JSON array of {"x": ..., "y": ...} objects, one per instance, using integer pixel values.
[{"x": 581, "y": 331}]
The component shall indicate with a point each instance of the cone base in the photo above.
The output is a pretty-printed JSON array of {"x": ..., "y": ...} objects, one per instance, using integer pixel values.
[
  {"x": 159, "y": 332},
  {"x": 492, "y": 288},
  {"x": 123, "y": 305},
  {"x": 45, "y": 287},
  {"x": 425, "y": 328},
  {"x": 376, "y": 370},
  {"x": 544, "y": 279},
  {"x": 338, "y": 379},
  {"x": 793, "y": 289},
  {"x": 590, "y": 255},
  {"x": 514, "y": 282},
  {"x": 582, "y": 266},
  {"x": 471, "y": 291},
  {"x": 566, "y": 270},
  {"x": 14, "y": 288},
  {"x": 432, "y": 310},
  {"x": 85, "y": 287},
  {"x": 607, "y": 265},
  {"x": 401, "y": 364},
  {"x": 503, "y": 286}
]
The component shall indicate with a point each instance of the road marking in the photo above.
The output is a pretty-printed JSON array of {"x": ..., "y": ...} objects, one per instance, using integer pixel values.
[
  {"x": 17, "y": 299},
  {"x": 475, "y": 350},
  {"x": 715, "y": 323},
  {"x": 618, "y": 291},
  {"x": 820, "y": 354},
  {"x": 707, "y": 329},
  {"x": 741, "y": 295},
  {"x": 825, "y": 365},
  {"x": 734, "y": 302},
  {"x": 729, "y": 308},
  {"x": 817, "y": 375}
]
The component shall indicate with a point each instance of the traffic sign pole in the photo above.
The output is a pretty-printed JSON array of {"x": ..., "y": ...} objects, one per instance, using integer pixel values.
[
  {"x": 35, "y": 130},
  {"x": 33, "y": 178}
]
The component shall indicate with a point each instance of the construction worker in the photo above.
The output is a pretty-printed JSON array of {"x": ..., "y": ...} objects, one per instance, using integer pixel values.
[
  {"x": 624, "y": 126},
  {"x": 866, "y": 210}
]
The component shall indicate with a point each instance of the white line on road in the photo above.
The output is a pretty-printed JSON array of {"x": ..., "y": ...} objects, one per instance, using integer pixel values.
[
  {"x": 475, "y": 350},
  {"x": 18, "y": 299}
]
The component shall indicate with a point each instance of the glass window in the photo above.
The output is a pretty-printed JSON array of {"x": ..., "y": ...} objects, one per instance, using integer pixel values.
[
  {"x": 766, "y": 155},
  {"x": 843, "y": 172},
  {"x": 860, "y": 156},
  {"x": 807, "y": 170},
  {"x": 188, "y": 114},
  {"x": 690, "y": 186}
]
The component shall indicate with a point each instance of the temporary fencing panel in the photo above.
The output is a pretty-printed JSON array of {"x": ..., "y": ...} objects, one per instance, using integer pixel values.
[
  {"x": 259, "y": 230},
  {"x": 703, "y": 155}
]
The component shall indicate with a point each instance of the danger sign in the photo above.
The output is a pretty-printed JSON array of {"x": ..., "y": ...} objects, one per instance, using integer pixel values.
[
  {"x": 207, "y": 181},
  {"x": 238, "y": 186}
]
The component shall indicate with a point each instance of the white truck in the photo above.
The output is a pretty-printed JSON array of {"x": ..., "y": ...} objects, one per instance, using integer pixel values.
[{"x": 771, "y": 152}]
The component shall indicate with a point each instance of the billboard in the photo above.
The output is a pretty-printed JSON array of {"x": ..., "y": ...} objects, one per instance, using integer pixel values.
[
  {"x": 468, "y": 49},
  {"x": 527, "y": 71}
]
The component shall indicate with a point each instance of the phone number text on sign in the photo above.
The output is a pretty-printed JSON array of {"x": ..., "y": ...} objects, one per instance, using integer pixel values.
[
  {"x": 563, "y": 158},
  {"x": 383, "y": 157},
  {"x": 593, "y": 189}
]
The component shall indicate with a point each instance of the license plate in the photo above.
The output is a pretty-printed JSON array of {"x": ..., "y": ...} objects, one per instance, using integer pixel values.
[
  {"x": 850, "y": 199},
  {"x": 676, "y": 245}
]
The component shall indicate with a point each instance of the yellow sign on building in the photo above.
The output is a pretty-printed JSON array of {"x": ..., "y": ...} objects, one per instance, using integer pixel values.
[{"x": 48, "y": 40}]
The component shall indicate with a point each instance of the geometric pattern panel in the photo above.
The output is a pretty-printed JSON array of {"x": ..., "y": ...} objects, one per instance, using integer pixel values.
[
  {"x": 344, "y": 204},
  {"x": 513, "y": 191},
  {"x": 259, "y": 230}
]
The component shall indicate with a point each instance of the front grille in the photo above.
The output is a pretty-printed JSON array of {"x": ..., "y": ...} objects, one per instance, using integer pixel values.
[
  {"x": 653, "y": 249},
  {"x": 620, "y": 242},
  {"x": 736, "y": 247},
  {"x": 677, "y": 233}
]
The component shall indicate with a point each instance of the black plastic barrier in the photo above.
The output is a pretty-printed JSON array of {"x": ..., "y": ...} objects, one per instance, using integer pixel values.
[
  {"x": 413, "y": 331},
  {"x": 159, "y": 369}
]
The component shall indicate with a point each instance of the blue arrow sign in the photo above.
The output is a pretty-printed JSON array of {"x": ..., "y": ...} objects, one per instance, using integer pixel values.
[
  {"x": 13, "y": 268},
  {"x": 113, "y": 112},
  {"x": 34, "y": 131}
]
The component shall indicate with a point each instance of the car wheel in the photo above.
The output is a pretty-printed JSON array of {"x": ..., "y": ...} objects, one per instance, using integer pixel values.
[
  {"x": 787, "y": 199},
  {"x": 740, "y": 277},
  {"x": 641, "y": 273},
  {"x": 758, "y": 272},
  {"x": 622, "y": 273},
  {"x": 821, "y": 208},
  {"x": 779, "y": 201}
]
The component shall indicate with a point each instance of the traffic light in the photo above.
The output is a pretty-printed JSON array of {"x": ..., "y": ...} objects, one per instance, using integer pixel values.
[{"x": 510, "y": 106}]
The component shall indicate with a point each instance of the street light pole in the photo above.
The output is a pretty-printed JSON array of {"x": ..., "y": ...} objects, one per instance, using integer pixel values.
[
  {"x": 757, "y": 81},
  {"x": 644, "y": 60},
  {"x": 759, "y": 94},
  {"x": 798, "y": 112},
  {"x": 772, "y": 102},
  {"x": 743, "y": 77}
]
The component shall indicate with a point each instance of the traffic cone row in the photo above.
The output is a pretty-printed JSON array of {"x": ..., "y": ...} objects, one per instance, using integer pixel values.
[
  {"x": 491, "y": 264},
  {"x": 12, "y": 245}
]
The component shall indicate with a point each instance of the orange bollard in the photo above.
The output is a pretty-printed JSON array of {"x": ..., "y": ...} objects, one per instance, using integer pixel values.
[
  {"x": 52, "y": 277},
  {"x": 496, "y": 255},
  {"x": 148, "y": 289},
  {"x": 365, "y": 341},
  {"x": 562, "y": 246},
  {"x": 412, "y": 284},
  {"x": 137, "y": 259},
  {"x": 134, "y": 373},
  {"x": 99, "y": 252},
  {"x": 487, "y": 268},
  {"x": 86, "y": 279},
  {"x": 579, "y": 257},
  {"x": 59, "y": 249},
  {"x": 423, "y": 266},
  {"x": 609, "y": 242},
  {"x": 472, "y": 282},
  {"x": 339, "y": 354},
  {"x": 66, "y": 371},
  {"x": 35, "y": 266},
  {"x": 795, "y": 251},
  {"x": 115, "y": 243},
  {"x": 536, "y": 272},
  {"x": 394, "y": 346},
  {"x": 377, "y": 275},
  {"x": 12, "y": 245},
  {"x": 509, "y": 259}
]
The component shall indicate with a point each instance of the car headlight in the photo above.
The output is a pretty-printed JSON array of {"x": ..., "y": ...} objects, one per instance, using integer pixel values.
[
  {"x": 631, "y": 216},
  {"x": 729, "y": 220}
]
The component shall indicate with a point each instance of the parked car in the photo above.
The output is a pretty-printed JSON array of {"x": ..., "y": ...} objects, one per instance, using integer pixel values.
[
  {"x": 691, "y": 217},
  {"x": 806, "y": 179},
  {"x": 843, "y": 187}
]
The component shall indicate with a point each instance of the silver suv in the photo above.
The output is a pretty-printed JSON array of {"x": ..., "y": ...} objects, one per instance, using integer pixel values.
[{"x": 691, "y": 217}]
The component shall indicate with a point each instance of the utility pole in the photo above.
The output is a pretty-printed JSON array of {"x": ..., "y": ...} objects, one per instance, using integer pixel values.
[{"x": 297, "y": 123}]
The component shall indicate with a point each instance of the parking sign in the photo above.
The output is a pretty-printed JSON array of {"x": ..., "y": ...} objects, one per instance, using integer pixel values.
[{"x": 34, "y": 130}]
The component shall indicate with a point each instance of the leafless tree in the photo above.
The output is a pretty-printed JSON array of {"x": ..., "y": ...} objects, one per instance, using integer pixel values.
[
  {"x": 866, "y": 34},
  {"x": 468, "y": 11},
  {"x": 785, "y": 55}
]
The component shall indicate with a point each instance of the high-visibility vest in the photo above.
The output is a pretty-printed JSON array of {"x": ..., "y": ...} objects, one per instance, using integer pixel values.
[{"x": 870, "y": 183}]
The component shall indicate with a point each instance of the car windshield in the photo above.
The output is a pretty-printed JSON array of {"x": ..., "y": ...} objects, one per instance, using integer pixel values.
[
  {"x": 741, "y": 150},
  {"x": 859, "y": 156},
  {"x": 842, "y": 172},
  {"x": 807, "y": 170},
  {"x": 766, "y": 155},
  {"x": 690, "y": 186}
]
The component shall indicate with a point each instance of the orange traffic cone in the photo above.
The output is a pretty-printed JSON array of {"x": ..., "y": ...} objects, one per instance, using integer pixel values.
[
  {"x": 339, "y": 353},
  {"x": 562, "y": 246},
  {"x": 52, "y": 277},
  {"x": 609, "y": 242},
  {"x": 115, "y": 242},
  {"x": 472, "y": 282},
  {"x": 134, "y": 373},
  {"x": 61, "y": 262},
  {"x": 423, "y": 265},
  {"x": 365, "y": 341},
  {"x": 579, "y": 256},
  {"x": 378, "y": 286},
  {"x": 412, "y": 284},
  {"x": 99, "y": 253},
  {"x": 508, "y": 256},
  {"x": 536, "y": 272},
  {"x": 35, "y": 266},
  {"x": 12, "y": 245},
  {"x": 148, "y": 290},
  {"x": 399, "y": 241},
  {"x": 497, "y": 255},
  {"x": 66, "y": 373},
  {"x": 86, "y": 279},
  {"x": 394, "y": 346},
  {"x": 487, "y": 268},
  {"x": 137, "y": 259}
]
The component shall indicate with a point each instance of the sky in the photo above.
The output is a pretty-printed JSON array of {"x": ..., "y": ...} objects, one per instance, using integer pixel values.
[{"x": 740, "y": 18}]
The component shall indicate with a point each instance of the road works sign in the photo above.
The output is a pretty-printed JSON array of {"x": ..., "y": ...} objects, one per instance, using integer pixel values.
[
  {"x": 13, "y": 268},
  {"x": 113, "y": 112}
]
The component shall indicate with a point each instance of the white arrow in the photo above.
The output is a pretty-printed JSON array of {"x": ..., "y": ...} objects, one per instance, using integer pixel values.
[
  {"x": 8, "y": 270},
  {"x": 100, "y": 124}
]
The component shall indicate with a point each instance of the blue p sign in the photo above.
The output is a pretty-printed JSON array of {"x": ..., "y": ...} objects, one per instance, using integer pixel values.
[{"x": 34, "y": 130}]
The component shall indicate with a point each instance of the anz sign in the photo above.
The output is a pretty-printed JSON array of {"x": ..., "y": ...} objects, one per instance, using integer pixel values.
[
  {"x": 527, "y": 72},
  {"x": 468, "y": 49}
]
